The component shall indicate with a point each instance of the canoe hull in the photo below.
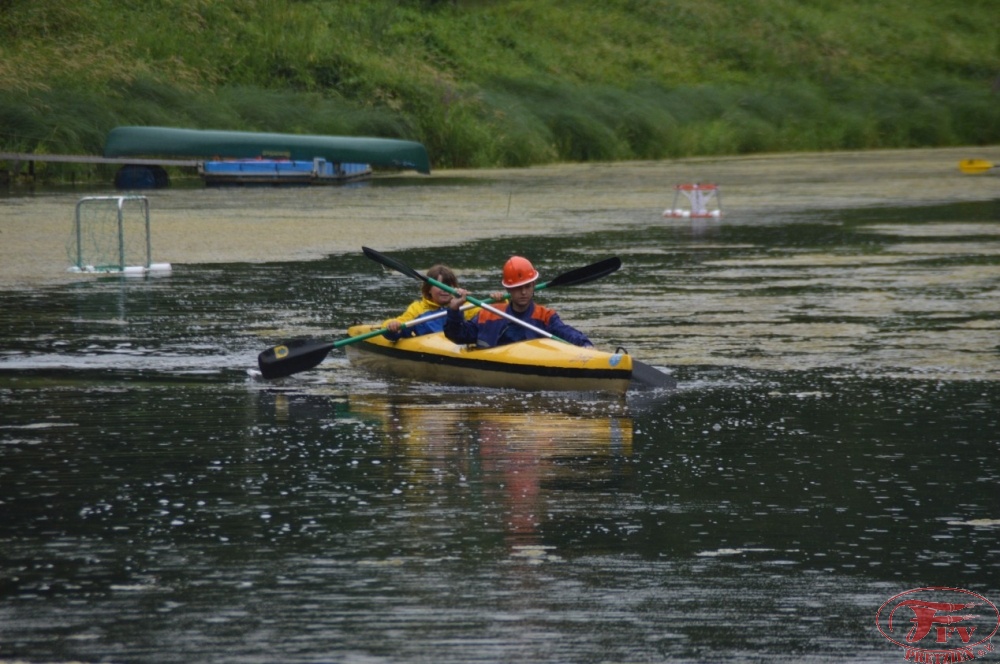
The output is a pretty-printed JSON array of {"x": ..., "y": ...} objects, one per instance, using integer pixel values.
[
  {"x": 535, "y": 365},
  {"x": 212, "y": 144}
]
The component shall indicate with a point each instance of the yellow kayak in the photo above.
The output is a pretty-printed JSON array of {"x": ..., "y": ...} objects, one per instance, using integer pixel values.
[{"x": 535, "y": 365}]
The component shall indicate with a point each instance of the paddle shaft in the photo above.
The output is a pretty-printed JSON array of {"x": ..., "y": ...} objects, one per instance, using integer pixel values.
[
  {"x": 465, "y": 307},
  {"x": 503, "y": 314},
  {"x": 297, "y": 355}
]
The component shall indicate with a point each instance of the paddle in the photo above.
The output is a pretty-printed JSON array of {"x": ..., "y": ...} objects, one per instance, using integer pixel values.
[
  {"x": 975, "y": 165},
  {"x": 644, "y": 376},
  {"x": 403, "y": 268},
  {"x": 647, "y": 377},
  {"x": 299, "y": 355}
]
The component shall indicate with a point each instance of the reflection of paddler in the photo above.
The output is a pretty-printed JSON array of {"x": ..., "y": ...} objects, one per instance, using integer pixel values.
[
  {"x": 519, "y": 454},
  {"x": 517, "y": 467}
]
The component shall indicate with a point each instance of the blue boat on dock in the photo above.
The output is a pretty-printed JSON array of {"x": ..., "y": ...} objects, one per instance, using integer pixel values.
[{"x": 280, "y": 172}]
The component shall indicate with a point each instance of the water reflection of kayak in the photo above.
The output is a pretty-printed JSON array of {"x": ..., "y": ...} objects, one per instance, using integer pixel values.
[{"x": 536, "y": 364}]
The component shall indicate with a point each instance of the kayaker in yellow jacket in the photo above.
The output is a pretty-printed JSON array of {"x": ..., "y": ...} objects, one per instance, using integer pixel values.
[
  {"x": 432, "y": 300},
  {"x": 487, "y": 329}
]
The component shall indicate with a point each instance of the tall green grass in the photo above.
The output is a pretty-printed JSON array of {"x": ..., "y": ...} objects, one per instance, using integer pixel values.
[{"x": 508, "y": 82}]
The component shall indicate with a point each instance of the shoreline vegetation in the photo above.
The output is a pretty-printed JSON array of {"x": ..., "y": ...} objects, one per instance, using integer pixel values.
[{"x": 506, "y": 83}]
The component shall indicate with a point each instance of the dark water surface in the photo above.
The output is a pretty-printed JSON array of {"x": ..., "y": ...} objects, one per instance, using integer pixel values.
[{"x": 835, "y": 440}]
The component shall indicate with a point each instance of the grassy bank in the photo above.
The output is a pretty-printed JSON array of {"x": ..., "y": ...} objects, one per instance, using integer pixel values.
[{"x": 508, "y": 82}]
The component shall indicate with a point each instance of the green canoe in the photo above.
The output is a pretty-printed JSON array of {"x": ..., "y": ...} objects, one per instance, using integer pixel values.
[{"x": 214, "y": 144}]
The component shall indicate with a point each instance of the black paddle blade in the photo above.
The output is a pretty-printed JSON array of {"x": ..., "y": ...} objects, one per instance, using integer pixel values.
[
  {"x": 393, "y": 263},
  {"x": 292, "y": 357},
  {"x": 582, "y": 275},
  {"x": 646, "y": 377}
]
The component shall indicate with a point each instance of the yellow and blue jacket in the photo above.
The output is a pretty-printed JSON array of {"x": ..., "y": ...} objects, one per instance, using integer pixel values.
[
  {"x": 487, "y": 329},
  {"x": 419, "y": 309}
]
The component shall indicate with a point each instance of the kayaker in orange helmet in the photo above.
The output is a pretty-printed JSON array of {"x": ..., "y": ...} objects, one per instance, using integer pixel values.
[{"x": 486, "y": 329}]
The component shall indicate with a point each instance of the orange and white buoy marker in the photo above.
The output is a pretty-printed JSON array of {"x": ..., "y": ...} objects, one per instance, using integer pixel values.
[{"x": 704, "y": 201}]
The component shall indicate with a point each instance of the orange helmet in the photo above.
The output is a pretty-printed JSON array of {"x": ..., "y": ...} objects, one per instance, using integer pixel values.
[{"x": 518, "y": 271}]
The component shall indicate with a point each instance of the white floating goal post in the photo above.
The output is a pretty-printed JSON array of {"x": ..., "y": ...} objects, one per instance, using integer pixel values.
[
  {"x": 704, "y": 200},
  {"x": 111, "y": 234}
]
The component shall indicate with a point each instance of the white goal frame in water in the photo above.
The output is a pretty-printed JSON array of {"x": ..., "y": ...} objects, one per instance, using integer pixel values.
[
  {"x": 111, "y": 234},
  {"x": 704, "y": 200}
]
